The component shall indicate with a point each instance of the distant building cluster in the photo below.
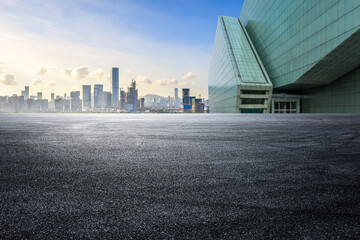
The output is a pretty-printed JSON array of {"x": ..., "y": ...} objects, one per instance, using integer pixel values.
[
  {"x": 191, "y": 103},
  {"x": 97, "y": 100}
]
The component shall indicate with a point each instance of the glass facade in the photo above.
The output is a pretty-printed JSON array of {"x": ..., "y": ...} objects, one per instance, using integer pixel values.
[
  {"x": 115, "y": 90},
  {"x": 309, "y": 48},
  {"x": 86, "y": 97},
  {"x": 238, "y": 81},
  {"x": 341, "y": 96},
  {"x": 98, "y": 96}
]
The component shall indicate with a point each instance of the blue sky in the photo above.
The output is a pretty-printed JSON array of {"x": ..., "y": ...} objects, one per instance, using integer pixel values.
[{"x": 156, "y": 40}]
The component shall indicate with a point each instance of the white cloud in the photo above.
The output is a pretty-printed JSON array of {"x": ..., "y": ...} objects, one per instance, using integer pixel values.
[
  {"x": 142, "y": 80},
  {"x": 165, "y": 81},
  {"x": 39, "y": 82},
  {"x": 2, "y": 67},
  {"x": 8, "y": 79},
  {"x": 80, "y": 72},
  {"x": 190, "y": 75},
  {"x": 41, "y": 71},
  {"x": 51, "y": 83},
  {"x": 76, "y": 73},
  {"x": 66, "y": 72},
  {"x": 186, "y": 83},
  {"x": 53, "y": 70},
  {"x": 99, "y": 74}
]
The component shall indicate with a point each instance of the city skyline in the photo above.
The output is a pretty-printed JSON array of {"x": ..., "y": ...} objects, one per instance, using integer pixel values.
[
  {"x": 92, "y": 98},
  {"x": 41, "y": 50}
]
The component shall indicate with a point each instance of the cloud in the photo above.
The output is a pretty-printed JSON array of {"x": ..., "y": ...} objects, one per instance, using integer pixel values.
[
  {"x": 80, "y": 72},
  {"x": 165, "y": 81},
  {"x": 39, "y": 82},
  {"x": 66, "y": 72},
  {"x": 84, "y": 72},
  {"x": 51, "y": 83},
  {"x": 76, "y": 73},
  {"x": 190, "y": 75},
  {"x": 100, "y": 75},
  {"x": 97, "y": 74},
  {"x": 41, "y": 71},
  {"x": 142, "y": 80},
  {"x": 2, "y": 67},
  {"x": 8, "y": 79},
  {"x": 46, "y": 70},
  {"x": 186, "y": 83},
  {"x": 52, "y": 68}
]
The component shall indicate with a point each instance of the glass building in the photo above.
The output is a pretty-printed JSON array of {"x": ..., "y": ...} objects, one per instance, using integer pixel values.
[
  {"x": 86, "y": 98},
  {"x": 115, "y": 90},
  {"x": 98, "y": 96},
  {"x": 307, "y": 50},
  {"x": 75, "y": 101}
]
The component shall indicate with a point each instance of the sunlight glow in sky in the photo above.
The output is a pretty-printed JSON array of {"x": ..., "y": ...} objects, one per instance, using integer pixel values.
[{"x": 57, "y": 46}]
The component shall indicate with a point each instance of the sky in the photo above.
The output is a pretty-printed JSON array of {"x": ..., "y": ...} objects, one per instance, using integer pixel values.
[{"x": 58, "y": 46}]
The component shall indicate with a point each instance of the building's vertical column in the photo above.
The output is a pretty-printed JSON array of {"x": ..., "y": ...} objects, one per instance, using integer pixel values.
[{"x": 298, "y": 106}]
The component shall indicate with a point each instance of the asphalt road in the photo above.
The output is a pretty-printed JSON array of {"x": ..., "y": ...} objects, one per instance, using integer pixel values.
[{"x": 181, "y": 176}]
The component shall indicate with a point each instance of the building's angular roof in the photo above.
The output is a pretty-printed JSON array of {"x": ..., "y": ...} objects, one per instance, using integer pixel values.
[{"x": 244, "y": 58}]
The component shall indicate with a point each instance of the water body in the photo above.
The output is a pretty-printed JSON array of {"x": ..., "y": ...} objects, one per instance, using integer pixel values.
[{"x": 179, "y": 176}]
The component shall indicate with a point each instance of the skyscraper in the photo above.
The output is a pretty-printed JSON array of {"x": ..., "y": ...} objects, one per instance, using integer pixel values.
[
  {"x": 132, "y": 98},
  {"x": 39, "y": 95},
  {"x": 176, "y": 103},
  {"x": 75, "y": 101},
  {"x": 187, "y": 101},
  {"x": 26, "y": 94},
  {"x": 287, "y": 57},
  {"x": 52, "y": 105},
  {"x": 98, "y": 96},
  {"x": 122, "y": 99},
  {"x": 114, "y": 83},
  {"x": 142, "y": 104},
  {"x": 86, "y": 97},
  {"x": 107, "y": 100}
]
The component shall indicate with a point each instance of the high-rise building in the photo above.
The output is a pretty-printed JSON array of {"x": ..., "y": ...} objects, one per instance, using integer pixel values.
[
  {"x": 122, "y": 99},
  {"x": 134, "y": 95},
  {"x": 75, "y": 102},
  {"x": 52, "y": 103},
  {"x": 98, "y": 96},
  {"x": 285, "y": 56},
  {"x": 107, "y": 100},
  {"x": 132, "y": 98},
  {"x": 197, "y": 105},
  {"x": 186, "y": 100},
  {"x": 114, "y": 82},
  {"x": 59, "y": 104},
  {"x": 142, "y": 104},
  {"x": 86, "y": 98},
  {"x": 26, "y": 94},
  {"x": 176, "y": 101},
  {"x": 39, "y": 95},
  {"x": 16, "y": 103}
]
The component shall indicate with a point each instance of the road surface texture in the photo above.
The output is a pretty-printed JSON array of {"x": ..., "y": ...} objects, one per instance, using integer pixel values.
[{"x": 179, "y": 176}]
